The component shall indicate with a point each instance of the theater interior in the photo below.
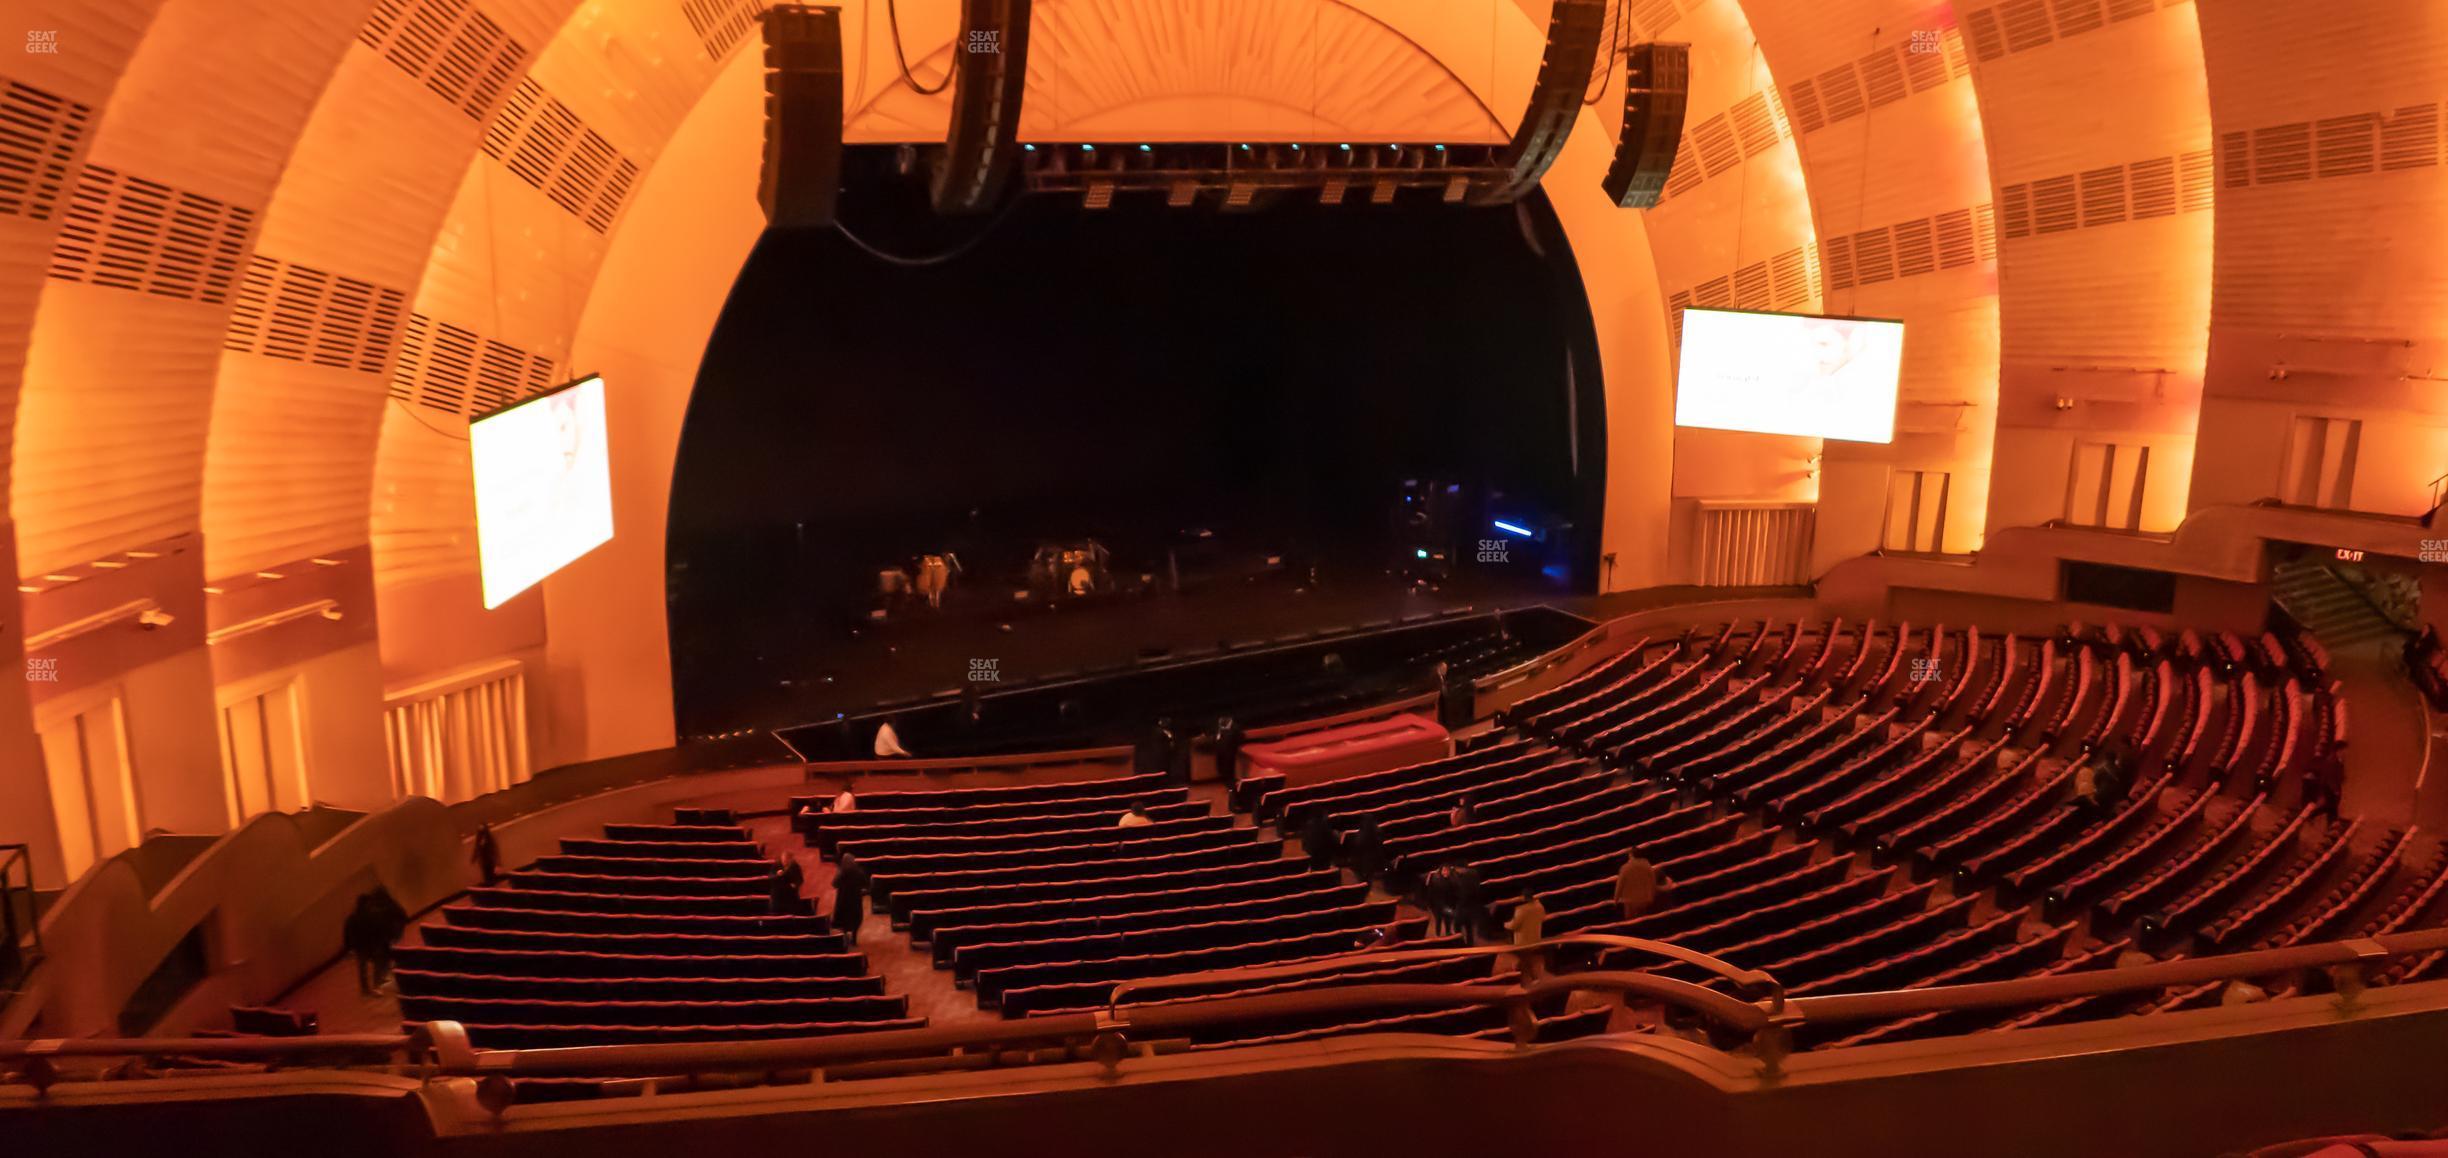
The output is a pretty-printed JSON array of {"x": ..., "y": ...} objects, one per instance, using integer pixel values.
[{"x": 1224, "y": 577}]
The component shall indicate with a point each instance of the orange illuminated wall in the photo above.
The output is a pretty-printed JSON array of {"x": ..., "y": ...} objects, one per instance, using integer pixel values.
[
  {"x": 2104, "y": 211},
  {"x": 1735, "y": 230},
  {"x": 2329, "y": 306},
  {"x": 1890, "y": 138}
]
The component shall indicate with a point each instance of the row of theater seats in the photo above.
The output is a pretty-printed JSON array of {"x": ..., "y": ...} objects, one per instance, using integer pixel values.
[
  {"x": 1849, "y": 807},
  {"x": 1036, "y": 900},
  {"x": 648, "y": 933},
  {"x": 1477, "y": 655},
  {"x": 1872, "y": 808}
]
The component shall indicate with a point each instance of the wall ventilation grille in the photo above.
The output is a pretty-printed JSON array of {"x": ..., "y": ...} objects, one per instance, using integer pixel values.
[
  {"x": 1723, "y": 142},
  {"x": 2138, "y": 191},
  {"x": 124, "y": 232},
  {"x": 722, "y": 24},
  {"x": 460, "y": 53},
  {"x": 1783, "y": 282},
  {"x": 39, "y": 137},
  {"x": 2349, "y": 146},
  {"x": 1950, "y": 240},
  {"x": 458, "y": 371},
  {"x": 547, "y": 146},
  {"x": 303, "y": 314},
  {"x": 1883, "y": 77},
  {"x": 2002, "y": 30}
]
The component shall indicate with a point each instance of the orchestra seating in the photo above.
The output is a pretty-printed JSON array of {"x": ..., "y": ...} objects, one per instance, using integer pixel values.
[
  {"x": 1037, "y": 900},
  {"x": 1847, "y": 806},
  {"x": 1864, "y": 807},
  {"x": 650, "y": 933}
]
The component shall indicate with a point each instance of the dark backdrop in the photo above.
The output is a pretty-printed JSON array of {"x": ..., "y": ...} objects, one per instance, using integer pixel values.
[{"x": 1122, "y": 373}]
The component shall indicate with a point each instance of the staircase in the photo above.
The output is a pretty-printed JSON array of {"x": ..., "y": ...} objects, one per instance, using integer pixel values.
[{"x": 2328, "y": 606}]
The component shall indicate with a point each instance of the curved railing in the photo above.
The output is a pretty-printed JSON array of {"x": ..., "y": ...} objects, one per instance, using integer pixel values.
[
  {"x": 1748, "y": 980},
  {"x": 1762, "y": 1022},
  {"x": 1110, "y": 754}
]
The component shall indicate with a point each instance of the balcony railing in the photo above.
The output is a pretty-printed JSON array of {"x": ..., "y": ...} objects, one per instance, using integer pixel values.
[
  {"x": 1756, "y": 1017},
  {"x": 20, "y": 931}
]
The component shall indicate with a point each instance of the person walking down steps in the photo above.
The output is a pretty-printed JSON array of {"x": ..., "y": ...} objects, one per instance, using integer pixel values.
[{"x": 849, "y": 900}]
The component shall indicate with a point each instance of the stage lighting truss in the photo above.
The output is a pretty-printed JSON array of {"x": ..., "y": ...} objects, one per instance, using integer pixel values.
[{"x": 1239, "y": 176}]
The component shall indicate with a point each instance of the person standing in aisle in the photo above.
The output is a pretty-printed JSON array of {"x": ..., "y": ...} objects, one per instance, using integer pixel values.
[{"x": 849, "y": 899}]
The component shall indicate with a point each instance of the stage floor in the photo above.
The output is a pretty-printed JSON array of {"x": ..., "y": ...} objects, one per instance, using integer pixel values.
[{"x": 923, "y": 653}]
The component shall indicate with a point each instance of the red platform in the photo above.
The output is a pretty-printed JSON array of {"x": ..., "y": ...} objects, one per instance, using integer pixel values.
[{"x": 1348, "y": 750}]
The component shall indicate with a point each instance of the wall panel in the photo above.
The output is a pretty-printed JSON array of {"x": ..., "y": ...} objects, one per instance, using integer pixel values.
[
  {"x": 2105, "y": 211},
  {"x": 1891, "y": 142},
  {"x": 2327, "y": 298}
]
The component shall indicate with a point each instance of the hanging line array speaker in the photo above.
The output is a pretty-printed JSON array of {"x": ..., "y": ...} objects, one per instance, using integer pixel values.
[
  {"x": 801, "y": 179},
  {"x": 982, "y": 145},
  {"x": 1657, "y": 89},
  {"x": 1575, "y": 30}
]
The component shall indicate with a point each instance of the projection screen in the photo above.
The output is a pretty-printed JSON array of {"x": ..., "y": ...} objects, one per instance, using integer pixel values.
[
  {"x": 1790, "y": 374},
  {"x": 543, "y": 486}
]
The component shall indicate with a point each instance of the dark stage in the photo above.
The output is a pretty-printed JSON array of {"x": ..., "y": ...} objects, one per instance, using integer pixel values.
[
  {"x": 1248, "y": 415},
  {"x": 997, "y": 643}
]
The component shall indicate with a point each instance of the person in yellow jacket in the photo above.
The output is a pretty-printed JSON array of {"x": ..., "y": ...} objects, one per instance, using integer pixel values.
[{"x": 1528, "y": 926}]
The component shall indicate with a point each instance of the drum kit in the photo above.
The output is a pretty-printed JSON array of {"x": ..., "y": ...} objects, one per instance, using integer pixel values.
[{"x": 1079, "y": 568}]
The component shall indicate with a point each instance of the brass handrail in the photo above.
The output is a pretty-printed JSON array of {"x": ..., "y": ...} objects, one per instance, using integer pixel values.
[
  {"x": 443, "y": 1049},
  {"x": 1749, "y": 980},
  {"x": 204, "y": 1047},
  {"x": 14, "y": 860},
  {"x": 1839, "y": 1008}
]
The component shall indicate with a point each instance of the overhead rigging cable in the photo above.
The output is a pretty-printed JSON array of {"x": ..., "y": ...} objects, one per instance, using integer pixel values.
[
  {"x": 892, "y": 12},
  {"x": 1619, "y": 45},
  {"x": 409, "y": 409},
  {"x": 908, "y": 262}
]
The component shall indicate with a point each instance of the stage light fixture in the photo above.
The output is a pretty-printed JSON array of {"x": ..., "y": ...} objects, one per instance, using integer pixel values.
[
  {"x": 1182, "y": 195},
  {"x": 1244, "y": 174},
  {"x": 1515, "y": 528},
  {"x": 1098, "y": 196}
]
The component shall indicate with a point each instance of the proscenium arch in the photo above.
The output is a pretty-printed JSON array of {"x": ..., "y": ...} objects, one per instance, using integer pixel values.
[{"x": 689, "y": 231}]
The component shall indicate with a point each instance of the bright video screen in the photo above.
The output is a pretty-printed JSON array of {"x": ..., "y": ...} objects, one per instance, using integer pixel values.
[
  {"x": 1789, "y": 374},
  {"x": 543, "y": 486}
]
